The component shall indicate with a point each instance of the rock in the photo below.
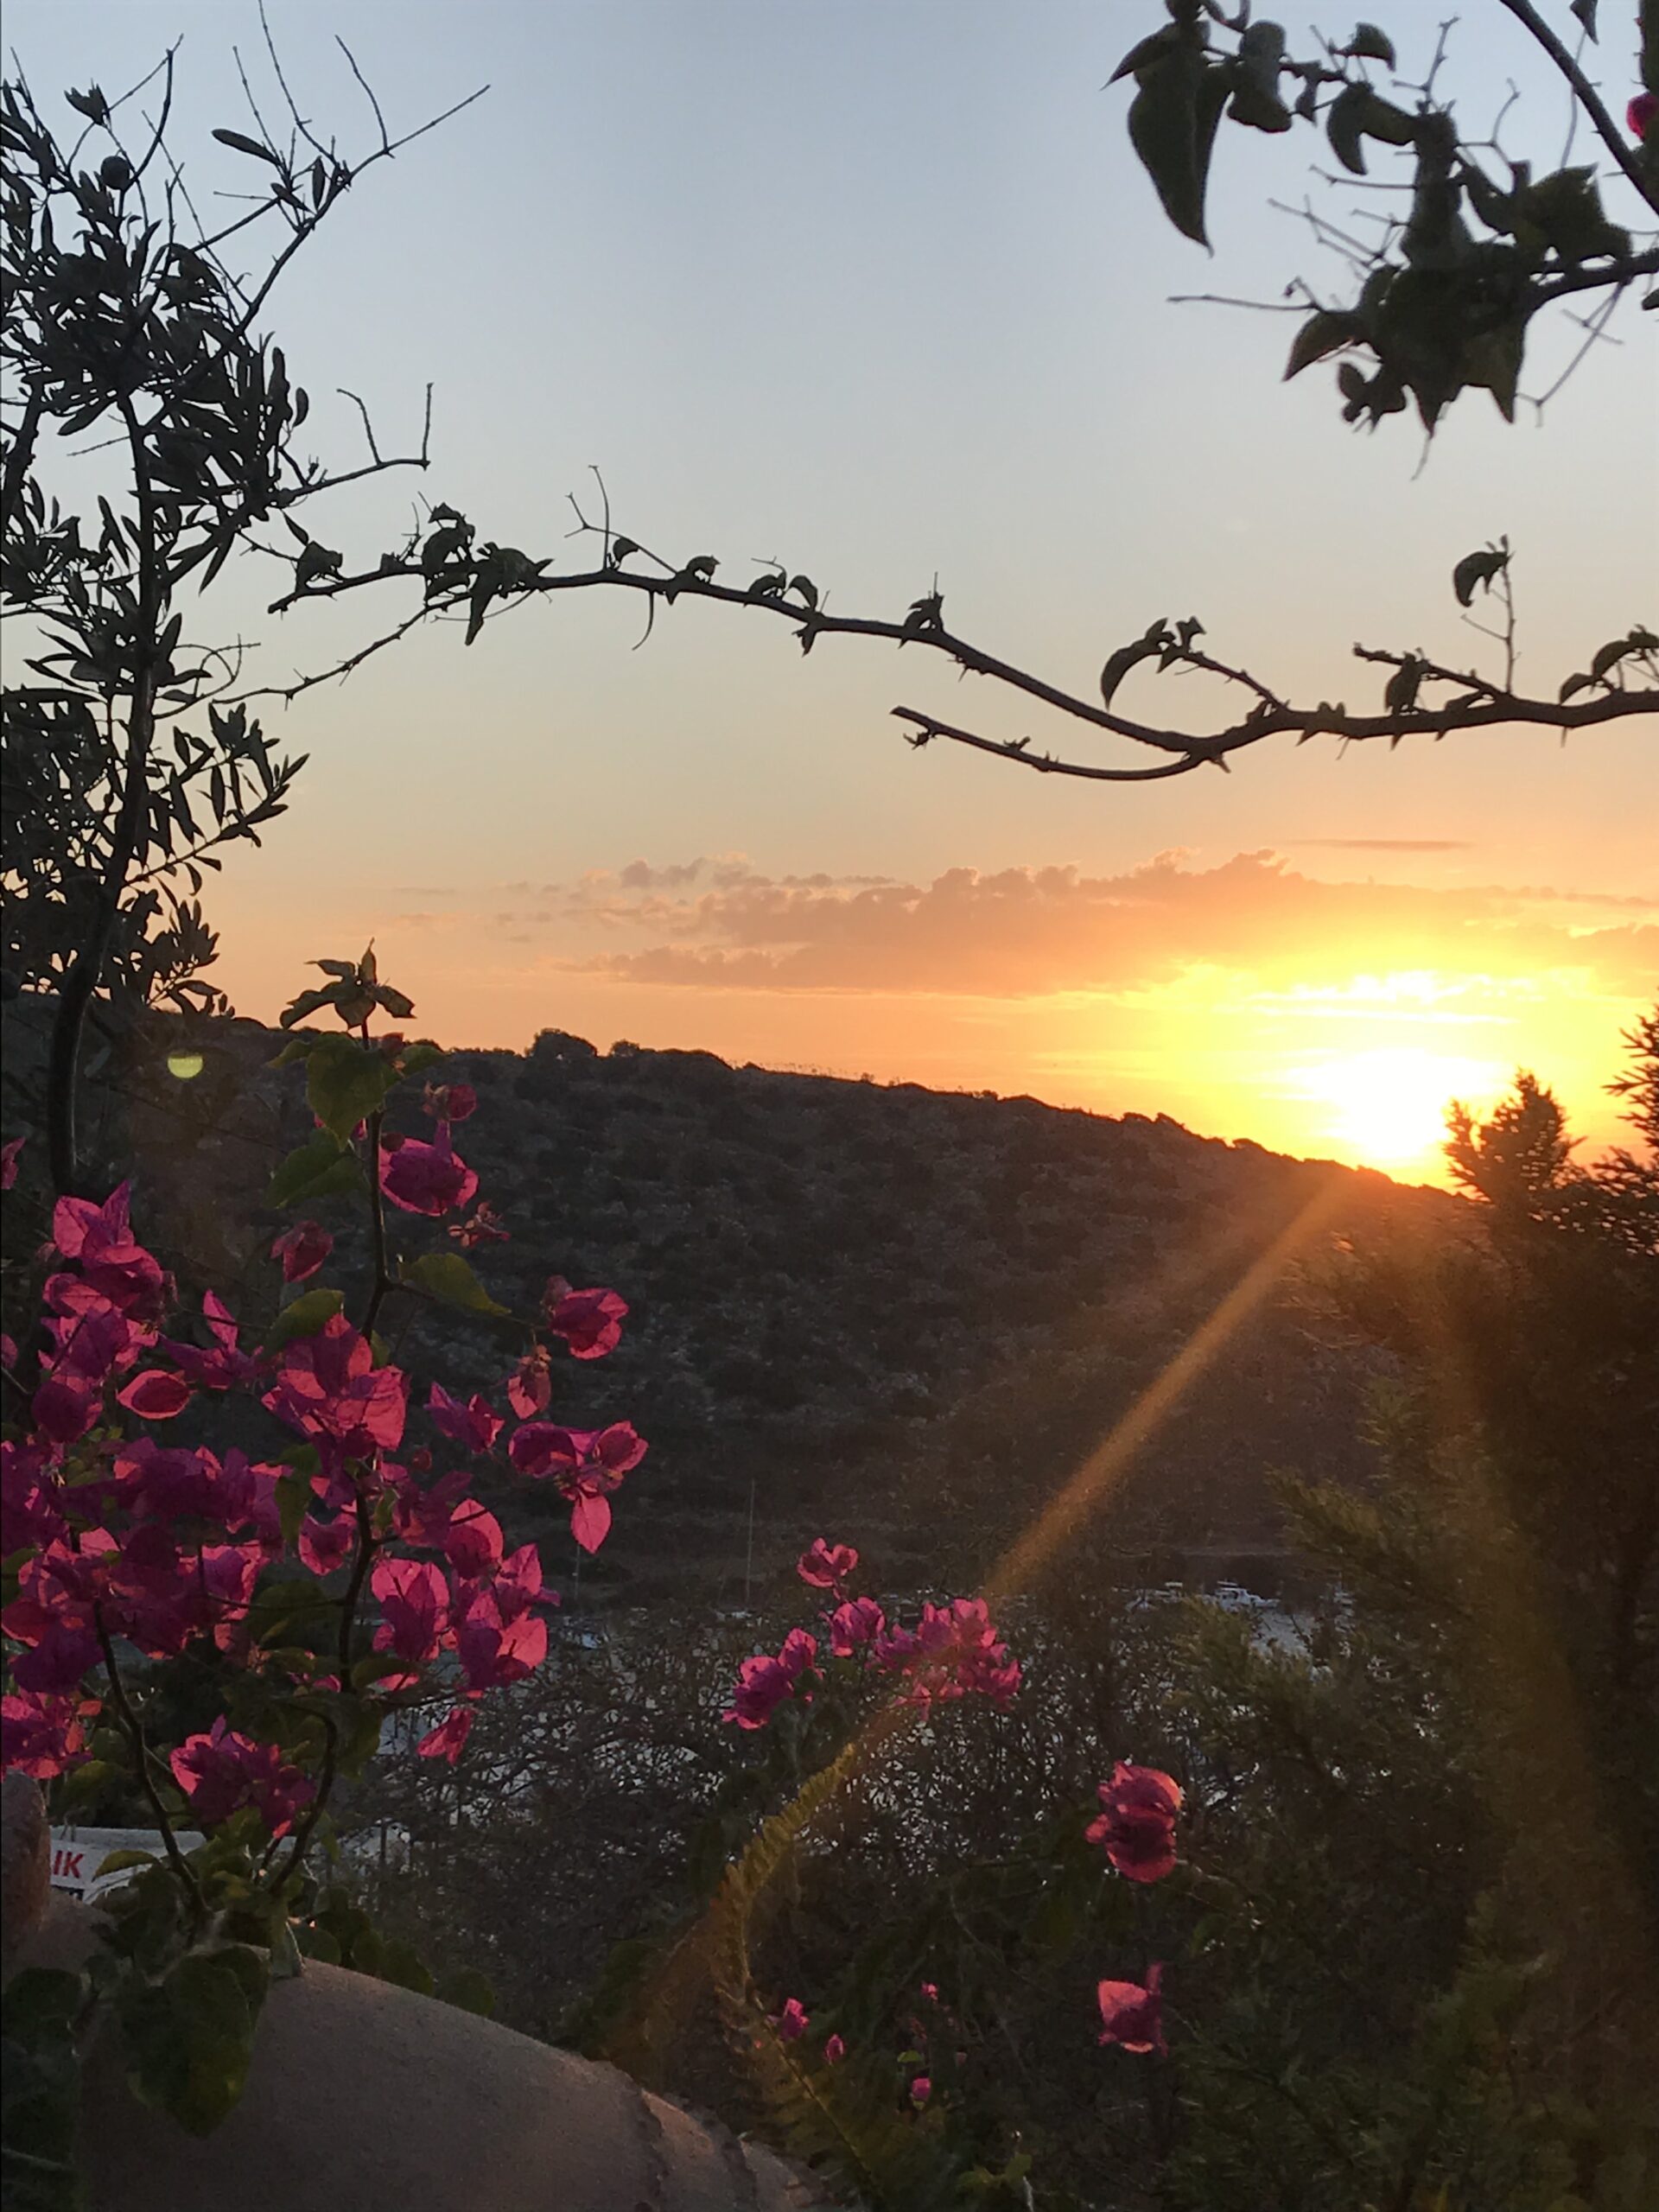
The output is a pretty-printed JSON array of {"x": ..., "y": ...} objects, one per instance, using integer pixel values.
[{"x": 366, "y": 2095}]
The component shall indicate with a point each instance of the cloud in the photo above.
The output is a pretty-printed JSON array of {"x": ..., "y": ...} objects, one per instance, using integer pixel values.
[
  {"x": 1389, "y": 844},
  {"x": 1025, "y": 932}
]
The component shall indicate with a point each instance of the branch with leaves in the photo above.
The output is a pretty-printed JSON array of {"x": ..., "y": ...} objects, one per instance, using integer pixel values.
[
  {"x": 130, "y": 320},
  {"x": 1444, "y": 300},
  {"x": 1421, "y": 697}
]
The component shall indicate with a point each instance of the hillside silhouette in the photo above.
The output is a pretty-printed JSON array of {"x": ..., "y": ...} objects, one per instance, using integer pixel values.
[{"x": 854, "y": 1306}]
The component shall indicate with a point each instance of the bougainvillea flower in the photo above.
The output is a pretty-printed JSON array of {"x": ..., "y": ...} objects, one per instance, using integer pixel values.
[
  {"x": 1137, "y": 1828},
  {"x": 57, "y": 1659},
  {"x": 328, "y": 1386},
  {"x": 302, "y": 1250},
  {"x": 9, "y": 1152},
  {"x": 531, "y": 1385},
  {"x": 1133, "y": 2016},
  {"x": 75, "y": 1220},
  {"x": 421, "y": 1518},
  {"x": 42, "y": 1735},
  {"x": 156, "y": 1395},
  {"x": 220, "y": 1366},
  {"x": 542, "y": 1447},
  {"x": 65, "y": 1407},
  {"x": 952, "y": 1653},
  {"x": 920, "y": 2089},
  {"x": 8, "y": 1353},
  {"x": 793, "y": 2022},
  {"x": 414, "y": 1602},
  {"x": 91, "y": 1340},
  {"x": 1640, "y": 114},
  {"x": 590, "y": 1321},
  {"x": 226, "y": 1575},
  {"x": 495, "y": 1648},
  {"x": 448, "y": 1739},
  {"x": 834, "y": 2051},
  {"x": 476, "y": 1424},
  {"x": 30, "y": 1498},
  {"x": 224, "y": 1770},
  {"x": 482, "y": 1226},
  {"x": 450, "y": 1101},
  {"x": 516, "y": 1583},
  {"x": 471, "y": 1542},
  {"x": 326, "y": 1545},
  {"x": 853, "y": 1625},
  {"x": 428, "y": 1178},
  {"x": 764, "y": 1681},
  {"x": 825, "y": 1565},
  {"x": 100, "y": 1239},
  {"x": 585, "y": 1464}
]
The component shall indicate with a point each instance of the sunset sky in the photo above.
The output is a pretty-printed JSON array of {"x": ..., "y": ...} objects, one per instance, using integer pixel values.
[{"x": 879, "y": 290}]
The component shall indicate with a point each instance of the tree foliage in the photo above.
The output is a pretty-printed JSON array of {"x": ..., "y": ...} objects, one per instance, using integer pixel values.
[{"x": 129, "y": 763}]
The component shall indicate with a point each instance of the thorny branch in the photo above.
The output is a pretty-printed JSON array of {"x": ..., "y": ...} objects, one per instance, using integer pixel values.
[{"x": 1476, "y": 703}]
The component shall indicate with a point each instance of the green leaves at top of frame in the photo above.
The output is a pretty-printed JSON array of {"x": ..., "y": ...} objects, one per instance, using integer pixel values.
[
  {"x": 1358, "y": 113},
  {"x": 1180, "y": 91}
]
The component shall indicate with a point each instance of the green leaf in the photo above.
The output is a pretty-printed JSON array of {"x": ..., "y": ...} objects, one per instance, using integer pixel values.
[
  {"x": 421, "y": 1055},
  {"x": 320, "y": 1169},
  {"x": 1255, "y": 97},
  {"x": 1143, "y": 55},
  {"x": 306, "y": 1002},
  {"x": 1172, "y": 120},
  {"x": 247, "y": 146},
  {"x": 189, "y": 2038},
  {"x": 1582, "y": 682},
  {"x": 1564, "y": 212},
  {"x": 1474, "y": 569},
  {"x": 118, "y": 1861},
  {"x": 1322, "y": 333},
  {"x": 303, "y": 1316},
  {"x": 1342, "y": 126},
  {"x": 1369, "y": 44},
  {"x": 1119, "y": 664},
  {"x": 345, "y": 1083},
  {"x": 294, "y": 1495},
  {"x": 448, "y": 1278}
]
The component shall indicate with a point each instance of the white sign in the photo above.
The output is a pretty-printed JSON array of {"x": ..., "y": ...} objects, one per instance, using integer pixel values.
[{"x": 78, "y": 1856}]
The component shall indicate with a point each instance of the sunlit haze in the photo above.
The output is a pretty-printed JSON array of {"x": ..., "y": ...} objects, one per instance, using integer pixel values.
[{"x": 881, "y": 292}]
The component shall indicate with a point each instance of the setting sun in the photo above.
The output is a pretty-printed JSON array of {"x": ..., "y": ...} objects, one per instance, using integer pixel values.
[{"x": 1388, "y": 1106}]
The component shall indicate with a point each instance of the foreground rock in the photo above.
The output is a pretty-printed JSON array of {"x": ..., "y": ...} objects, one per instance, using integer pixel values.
[{"x": 366, "y": 2095}]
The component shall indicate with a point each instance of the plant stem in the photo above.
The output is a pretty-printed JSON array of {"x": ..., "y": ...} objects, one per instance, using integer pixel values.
[{"x": 134, "y": 1732}]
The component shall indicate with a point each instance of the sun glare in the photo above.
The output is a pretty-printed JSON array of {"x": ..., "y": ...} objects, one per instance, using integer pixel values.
[{"x": 1388, "y": 1106}]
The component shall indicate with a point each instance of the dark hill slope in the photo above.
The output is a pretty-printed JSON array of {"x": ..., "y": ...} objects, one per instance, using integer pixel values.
[{"x": 892, "y": 1314}]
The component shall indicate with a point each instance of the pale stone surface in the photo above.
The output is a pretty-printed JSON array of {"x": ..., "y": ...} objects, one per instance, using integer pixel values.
[{"x": 365, "y": 2096}]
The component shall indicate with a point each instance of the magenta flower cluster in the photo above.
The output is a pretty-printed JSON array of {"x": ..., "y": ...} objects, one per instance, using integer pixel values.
[
  {"x": 131, "y": 1543},
  {"x": 952, "y": 1652}
]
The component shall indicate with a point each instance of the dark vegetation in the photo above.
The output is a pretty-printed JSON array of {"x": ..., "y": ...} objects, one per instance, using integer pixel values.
[{"x": 908, "y": 1311}]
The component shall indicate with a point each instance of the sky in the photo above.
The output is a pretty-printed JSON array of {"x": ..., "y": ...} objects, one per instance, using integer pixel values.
[{"x": 879, "y": 291}]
